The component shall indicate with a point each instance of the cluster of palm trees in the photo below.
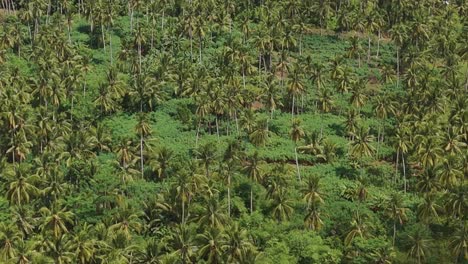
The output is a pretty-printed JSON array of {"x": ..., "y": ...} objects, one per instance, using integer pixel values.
[{"x": 254, "y": 63}]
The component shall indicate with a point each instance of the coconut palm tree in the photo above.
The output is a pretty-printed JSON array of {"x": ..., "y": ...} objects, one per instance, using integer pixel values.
[
  {"x": 396, "y": 211},
  {"x": 282, "y": 205},
  {"x": 211, "y": 243},
  {"x": 260, "y": 133},
  {"x": 56, "y": 221},
  {"x": 207, "y": 155},
  {"x": 458, "y": 244},
  {"x": 296, "y": 86},
  {"x": 419, "y": 248},
  {"x": 254, "y": 171},
  {"x": 143, "y": 129},
  {"x": 237, "y": 244},
  {"x": 9, "y": 235},
  {"x": 21, "y": 186},
  {"x": 359, "y": 228},
  {"x": 213, "y": 215},
  {"x": 312, "y": 192},
  {"x": 313, "y": 219}
]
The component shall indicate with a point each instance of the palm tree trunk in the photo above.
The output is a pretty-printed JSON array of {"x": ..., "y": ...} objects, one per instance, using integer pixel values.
[
  {"x": 103, "y": 37},
  {"x": 398, "y": 67},
  {"x": 251, "y": 198},
  {"x": 394, "y": 232},
  {"x": 162, "y": 22},
  {"x": 237, "y": 121},
  {"x": 404, "y": 172},
  {"x": 321, "y": 125},
  {"x": 229, "y": 195},
  {"x": 141, "y": 155},
  {"x": 243, "y": 77},
  {"x": 110, "y": 46},
  {"x": 200, "y": 50},
  {"x": 368, "y": 49},
  {"x": 183, "y": 212},
  {"x": 300, "y": 44},
  {"x": 198, "y": 133},
  {"x": 297, "y": 165},
  {"x": 378, "y": 44},
  {"x": 396, "y": 166},
  {"x": 217, "y": 126},
  {"x": 378, "y": 142},
  {"x": 292, "y": 107},
  {"x": 131, "y": 18},
  {"x": 191, "y": 44}
]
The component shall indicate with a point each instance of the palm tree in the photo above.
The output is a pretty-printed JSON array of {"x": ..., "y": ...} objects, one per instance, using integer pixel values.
[
  {"x": 8, "y": 237},
  {"x": 143, "y": 129},
  {"x": 181, "y": 243},
  {"x": 56, "y": 221},
  {"x": 325, "y": 104},
  {"x": 429, "y": 209},
  {"x": 359, "y": 227},
  {"x": 295, "y": 86},
  {"x": 20, "y": 186},
  {"x": 458, "y": 244},
  {"x": 355, "y": 49},
  {"x": 84, "y": 245},
  {"x": 312, "y": 193},
  {"x": 23, "y": 219},
  {"x": 282, "y": 206},
  {"x": 211, "y": 243},
  {"x": 398, "y": 33},
  {"x": 126, "y": 221},
  {"x": 419, "y": 248},
  {"x": 382, "y": 109},
  {"x": 361, "y": 146},
  {"x": 237, "y": 244},
  {"x": 207, "y": 155},
  {"x": 213, "y": 215},
  {"x": 313, "y": 219},
  {"x": 296, "y": 132},
  {"x": 402, "y": 147},
  {"x": 125, "y": 153},
  {"x": 162, "y": 161},
  {"x": 396, "y": 212},
  {"x": 253, "y": 170},
  {"x": 260, "y": 134}
]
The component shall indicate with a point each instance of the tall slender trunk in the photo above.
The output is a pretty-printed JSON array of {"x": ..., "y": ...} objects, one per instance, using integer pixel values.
[
  {"x": 378, "y": 44},
  {"x": 292, "y": 107},
  {"x": 200, "y": 50},
  {"x": 217, "y": 126},
  {"x": 103, "y": 37},
  {"x": 394, "y": 232},
  {"x": 251, "y": 198},
  {"x": 404, "y": 172},
  {"x": 162, "y": 22},
  {"x": 229, "y": 195},
  {"x": 297, "y": 165},
  {"x": 131, "y": 18},
  {"x": 368, "y": 49},
  {"x": 191, "y": 44},
  {"x": 141, "y": 156},
  {"x": 198, "y": 133},
  {"x": 110, "y": 47},
  {"x": 300, "y": 44},
  {"x": 396, "y": 165},
  {"x": 378, "y": 142},
  {"x": 237, "y": 121},
  {"x": 398, "y": 66},
  {"x": 183, "y": 211}
]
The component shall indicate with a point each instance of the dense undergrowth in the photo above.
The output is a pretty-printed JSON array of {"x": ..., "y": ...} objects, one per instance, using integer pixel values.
[{"x": 233, "y": 132}]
